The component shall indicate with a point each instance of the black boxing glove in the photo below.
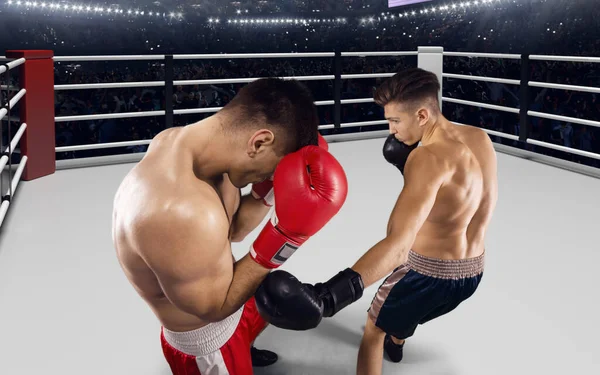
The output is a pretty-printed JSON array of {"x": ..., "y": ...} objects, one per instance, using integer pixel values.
[
  {"x": 396, "y": 152},
  {"x": 283, "y": 301}
]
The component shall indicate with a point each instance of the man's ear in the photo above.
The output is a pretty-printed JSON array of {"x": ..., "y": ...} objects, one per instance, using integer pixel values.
[
  {"x": 423, "y": 115},
  {"x": 259, "y": 140}
]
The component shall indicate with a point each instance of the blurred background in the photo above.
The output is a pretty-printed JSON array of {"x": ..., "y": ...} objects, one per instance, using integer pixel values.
[{"x": 85, "y": 27}]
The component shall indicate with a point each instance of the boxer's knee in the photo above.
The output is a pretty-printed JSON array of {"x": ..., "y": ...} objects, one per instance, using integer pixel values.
[{"x": 373, "y": 332}]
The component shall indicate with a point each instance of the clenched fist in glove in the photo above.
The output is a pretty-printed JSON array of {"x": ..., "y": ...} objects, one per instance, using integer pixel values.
[
  {"x": 287, "y": 303},
  {"x": 309, "y": 187},
  {"x": 396, "y": 152},
  {"x": 264, "y": 190}
]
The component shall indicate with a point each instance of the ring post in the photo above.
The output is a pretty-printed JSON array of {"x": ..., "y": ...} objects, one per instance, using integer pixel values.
[
  {"x": 169, "y": 78},
  {"x": 524, "y": 99},
  {"x": 37, "y": 110},
  {"x": 432, "y": 59},
  {"x": 337, "y": 89}
]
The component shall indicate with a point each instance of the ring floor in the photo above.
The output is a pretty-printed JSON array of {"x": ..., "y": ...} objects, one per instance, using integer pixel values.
[{"x": 66, "y": 307}]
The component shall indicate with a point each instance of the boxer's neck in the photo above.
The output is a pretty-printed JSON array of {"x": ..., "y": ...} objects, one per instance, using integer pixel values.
[
  {"x": 429, "y": 130},
  {"x": 210, "y": 148}
]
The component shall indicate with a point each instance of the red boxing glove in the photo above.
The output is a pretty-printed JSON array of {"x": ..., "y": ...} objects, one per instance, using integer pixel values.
[
  {"x": 322, "y": 142},
  {"x": 264, "y": 191},
  {"x": 311, "y": 187}
]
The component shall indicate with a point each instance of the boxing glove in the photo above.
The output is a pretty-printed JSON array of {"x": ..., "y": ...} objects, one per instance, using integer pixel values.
[
  {"x": 285, "y": 302},
  {"x": 310, "y": 187},
  {"x": 396, "y": 152},
  {"x": 322, "y": 142},
  {"x": 264, "y": 190}
]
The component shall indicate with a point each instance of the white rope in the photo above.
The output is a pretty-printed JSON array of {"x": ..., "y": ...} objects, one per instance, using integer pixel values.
[
  {"x": 109, "y": 58},
  {"x": 109, "y": 116},
  {"x": 3, "y": 161},
  {"x": 482, "y": 105},
  {"x": 325, "y": 102},
  {"x": 493, "y": 132},
  {"x": 363, "y": 123},
  {"x": 3, "y": 211},
  {"x": 246, "y": 80},
  {"x": 252, "y": 55},
  {"x": 16, "y": 139},
  {"x": 326, "y": 126},
  {"x": 565, "y": 149},
  {"x": 381, "y": 53},
  {"x": 11, "y": 65},
  {"x": 97, "y": 86},
  {"x": 17, "y": 175},
  {"x": 564, "y": 87},
  {"x": 583, "y": 59},
  {"x": 15, "y": 99},
  {"x": 96, "y": 146},
  {"x": 564, "y": 118},
  {"x": 371, "y": 75},
  {"x": 357, "y": 101},
  {"x": 196, "y": 110},
  {"x": 13, "y": 102},
  {"x": 488, "y": 55},
  {"x": 485, "y": 79}
]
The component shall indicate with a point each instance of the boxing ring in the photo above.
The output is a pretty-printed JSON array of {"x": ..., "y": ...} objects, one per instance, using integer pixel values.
[{"x": 67, "y": 308}]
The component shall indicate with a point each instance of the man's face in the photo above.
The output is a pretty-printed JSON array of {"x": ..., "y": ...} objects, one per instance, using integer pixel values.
[{"x": 406, "y": 122}]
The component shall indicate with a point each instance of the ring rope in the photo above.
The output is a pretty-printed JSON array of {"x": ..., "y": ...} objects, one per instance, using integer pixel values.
[
  {"x": 482, "y": 105},
  {"x": 480, "y": 78},
  {"x": 564, "y": 87}
]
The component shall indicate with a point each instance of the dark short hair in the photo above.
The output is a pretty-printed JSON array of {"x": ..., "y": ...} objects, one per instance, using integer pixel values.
[
  {"x": 284, "y": 106},
  {"x": 412, "y": 86}
]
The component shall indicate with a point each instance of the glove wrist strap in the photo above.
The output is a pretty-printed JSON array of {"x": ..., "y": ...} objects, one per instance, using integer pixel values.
[{"x": 341, "y": 290}]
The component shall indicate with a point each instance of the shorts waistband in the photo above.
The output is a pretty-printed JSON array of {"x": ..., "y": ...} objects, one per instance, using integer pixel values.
[
  {"x": 446, "y": 268},
  {"x": 204, "y": 340}
]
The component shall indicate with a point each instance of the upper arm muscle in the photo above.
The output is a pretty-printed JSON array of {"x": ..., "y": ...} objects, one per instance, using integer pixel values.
[{"x": 190, "y": 254}]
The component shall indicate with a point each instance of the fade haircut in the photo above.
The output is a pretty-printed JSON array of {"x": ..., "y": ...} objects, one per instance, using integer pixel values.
[
  {"x": 412, "y": 86},
  {"x": 285, "y": 107}
]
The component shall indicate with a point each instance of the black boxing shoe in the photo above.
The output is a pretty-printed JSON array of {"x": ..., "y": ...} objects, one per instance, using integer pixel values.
[
  {"x": 393, "y": 350},
  {"x": 262, "y": 358}
]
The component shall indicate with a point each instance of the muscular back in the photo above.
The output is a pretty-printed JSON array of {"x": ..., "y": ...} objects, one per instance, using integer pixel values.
[
  {"x": 170, "y": 231},
  {"x": 457, "y": 223}
]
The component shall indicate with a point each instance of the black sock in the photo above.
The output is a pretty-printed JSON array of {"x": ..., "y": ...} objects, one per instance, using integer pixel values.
[
  {"x": 393, "y": 350},
  {"x": 261, "y": 358}
]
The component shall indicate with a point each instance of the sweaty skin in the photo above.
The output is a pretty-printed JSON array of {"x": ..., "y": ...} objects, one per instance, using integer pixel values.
[
  {"x": 449, "y": 194},
  {"x": 173, "y": 221},
  {"x": 456, "y": 225}
]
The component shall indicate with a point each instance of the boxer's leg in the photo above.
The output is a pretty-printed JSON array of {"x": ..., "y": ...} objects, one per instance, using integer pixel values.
[
  {"x": 255, "y": 326},
  {"x": 370, "y": 353}
]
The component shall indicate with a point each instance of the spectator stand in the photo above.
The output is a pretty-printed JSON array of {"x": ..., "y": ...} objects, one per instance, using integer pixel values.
[{"x": 431, "y": 58}]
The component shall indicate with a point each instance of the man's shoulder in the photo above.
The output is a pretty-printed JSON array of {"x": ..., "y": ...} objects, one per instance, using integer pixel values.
[{"x": 185, "y": 217}]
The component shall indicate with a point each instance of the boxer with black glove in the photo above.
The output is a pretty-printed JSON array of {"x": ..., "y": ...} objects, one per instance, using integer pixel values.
[{"x": 285, "y": 302}]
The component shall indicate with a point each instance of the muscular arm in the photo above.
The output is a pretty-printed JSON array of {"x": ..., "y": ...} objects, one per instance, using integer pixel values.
[
  {"x": 423, "y": 176},
  {"x": 248, "y": 216},
  {"x": 191, "y": 257}
]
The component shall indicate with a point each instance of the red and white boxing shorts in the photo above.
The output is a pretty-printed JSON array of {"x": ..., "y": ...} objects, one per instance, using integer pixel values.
[{"x": 221, "y": 348}]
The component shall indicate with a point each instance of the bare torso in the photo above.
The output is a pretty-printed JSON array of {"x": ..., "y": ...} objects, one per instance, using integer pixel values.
[
  {"x": 456, "y": 226},
  {"x": 162, "y": 180}
]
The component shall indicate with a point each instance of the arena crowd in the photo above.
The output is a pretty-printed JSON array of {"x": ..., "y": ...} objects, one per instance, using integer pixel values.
[{"x": 527, "y": 27}]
